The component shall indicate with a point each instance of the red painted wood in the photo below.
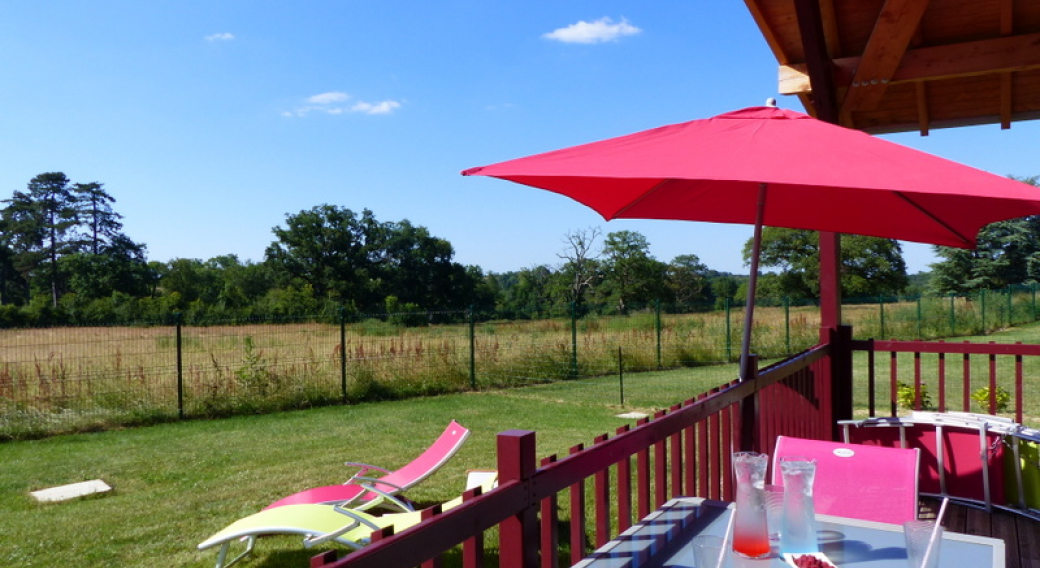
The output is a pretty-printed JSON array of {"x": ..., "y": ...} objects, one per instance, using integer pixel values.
[
  {"x": 624, "y": 489},
  {"x": 518, "y": 533},
  {"x": 660, "y": 469},
  {"x": 601, "y": 485},
  {"x": 550, "y": 518},
  {"x": 577, "y": 511},
  {"x": 473, "y": 547}
]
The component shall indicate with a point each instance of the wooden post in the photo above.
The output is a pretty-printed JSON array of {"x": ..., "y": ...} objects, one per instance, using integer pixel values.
[
  {"x": 749, "y": 415},
  {"x": 841, "y": 377},
  {"x": 519, "y": 533}
]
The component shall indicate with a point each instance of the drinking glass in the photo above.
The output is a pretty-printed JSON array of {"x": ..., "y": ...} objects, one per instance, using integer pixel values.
[
  {"x": 750, "y": 533},
  {"x": 918, "y": 534},
  {"x": 707, "y": 548},
  {"x": 774, "y": 495},
  {"x": 798, "y": 534}
]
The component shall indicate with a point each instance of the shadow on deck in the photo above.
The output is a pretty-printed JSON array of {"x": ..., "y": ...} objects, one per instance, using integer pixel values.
[{"x": 1021, "y": 534}]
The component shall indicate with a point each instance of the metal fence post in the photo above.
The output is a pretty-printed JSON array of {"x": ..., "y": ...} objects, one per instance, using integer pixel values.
[
  {"x": 881, "y": 308},
  {"x": 574, "y": 340},
  {"x": 343, "y": 351},
  {"x": 982, "y": 311},
  {"x": 953, "y": 317},
  {"x": 1010, "y": 309},
  {"x": 621, "y": 375},
  {"x": 657, "y": 324},
  {"x": 472, "y": 349},
  {"x": 180, "y": 366},
  {"x": 729, "y": 332},
  {"x": 919, "y": 316},
  {"x": 787, "y": 324}
]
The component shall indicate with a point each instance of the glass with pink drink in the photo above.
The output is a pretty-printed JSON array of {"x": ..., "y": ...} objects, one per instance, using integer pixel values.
[{"x": 750, "y": 529}]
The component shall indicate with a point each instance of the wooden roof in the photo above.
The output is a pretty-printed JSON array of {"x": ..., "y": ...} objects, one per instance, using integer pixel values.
[{"x": 899, "y": 65}]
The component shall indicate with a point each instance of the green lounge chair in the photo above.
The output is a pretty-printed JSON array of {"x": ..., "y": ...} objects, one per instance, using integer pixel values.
[{"x": 319, "y": 523}]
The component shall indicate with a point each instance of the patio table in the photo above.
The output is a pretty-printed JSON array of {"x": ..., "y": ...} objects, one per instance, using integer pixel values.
[{"x": 662, "y": 540}]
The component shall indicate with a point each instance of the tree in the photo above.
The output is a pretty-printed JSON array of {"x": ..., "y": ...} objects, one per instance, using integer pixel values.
[
  {"x": 631, "y": 273},
  {"x": 580, "y": 270},
  {"x": 333, "y": 251},
  {"x": 418, "y": 269},
  {"x": 870, "y": 266},
  {"x": 42, "y": 221},
  {"x": 96, "y": 213},
  {"x": 687, "y": 279},
  {"x": 118, "y": 267},
  {"x": 1007, "y": 253}
]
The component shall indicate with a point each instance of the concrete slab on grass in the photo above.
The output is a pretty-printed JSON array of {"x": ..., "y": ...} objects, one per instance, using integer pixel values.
[
  {"x": 633, "y": 415},
  {"x": 71, "y": 491}
]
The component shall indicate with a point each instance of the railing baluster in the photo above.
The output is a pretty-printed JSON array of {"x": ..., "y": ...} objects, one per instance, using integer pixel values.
[
  {"x": 642, "y": 478},
  {"x": 992, "y": 381},
  {"x": 660, "y": 467},
  {"x": 1019, "y": 395},
  {"x": 601, "y": 496},
  {"x": 473, "y": 547},
  {"x": 577, "y": 506},
  {"x": 550, "y": 522},
  {"x": 675, "y": 460},
  {"x": 690, "y": 461},
  {"x": 426, "y": 514},
  {"x": 942, "y": 381},
  {"x": 966, "y": 386},
  {"x": 624, "y": 488}
]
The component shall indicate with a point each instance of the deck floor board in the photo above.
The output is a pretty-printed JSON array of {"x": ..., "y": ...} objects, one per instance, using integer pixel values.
[{"x": 1021, "y": 534}]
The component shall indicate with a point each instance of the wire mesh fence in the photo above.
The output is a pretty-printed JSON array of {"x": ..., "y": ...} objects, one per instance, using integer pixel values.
[{"x": 65, "y": 379}]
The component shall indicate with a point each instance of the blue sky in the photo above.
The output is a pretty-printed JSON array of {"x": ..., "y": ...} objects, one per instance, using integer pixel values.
[{"x": 209, "y": 121}]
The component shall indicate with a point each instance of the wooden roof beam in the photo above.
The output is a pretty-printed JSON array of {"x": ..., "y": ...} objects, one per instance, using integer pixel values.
[
  {"x": 895, "y": 27},
  {"x": 817, "y": 60},
  {"x": 1005, "y": 54},
  {"x": 1006, "y": 28}
]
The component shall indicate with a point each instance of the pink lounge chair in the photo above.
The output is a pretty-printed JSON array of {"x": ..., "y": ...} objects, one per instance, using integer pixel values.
[
  {"x": 363, "y": 492},
  {"x": 873, "y": 483}
]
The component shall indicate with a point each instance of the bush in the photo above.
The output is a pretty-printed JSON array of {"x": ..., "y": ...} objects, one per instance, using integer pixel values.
[
  {"x": 906, "y": 396},
  {"x": 981, "y": 398}
]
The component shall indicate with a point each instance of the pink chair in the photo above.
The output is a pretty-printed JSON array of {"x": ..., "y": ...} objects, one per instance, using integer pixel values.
[
  {"x": 873, "y": 483},
  {"x": 363, "y": 492}
]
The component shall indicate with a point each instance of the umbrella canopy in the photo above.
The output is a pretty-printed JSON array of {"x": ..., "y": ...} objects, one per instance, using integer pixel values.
[
  {"x": 769, "y": 166},
  {"x": 820, "y": 177}
]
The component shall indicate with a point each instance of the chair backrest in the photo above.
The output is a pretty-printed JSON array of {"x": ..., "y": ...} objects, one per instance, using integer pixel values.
[
  {"x": 873, "y": 483},
  {"x": 430, "y": 460}
]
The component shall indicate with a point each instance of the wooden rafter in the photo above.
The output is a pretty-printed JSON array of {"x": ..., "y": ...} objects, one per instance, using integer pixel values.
[
  {"x": 1000, "y": 55},
  {"x": 895, "y": 27}
]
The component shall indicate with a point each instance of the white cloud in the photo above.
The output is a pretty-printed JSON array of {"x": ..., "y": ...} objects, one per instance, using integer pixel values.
[
  {"x": 334, "y": 102},
  {"x": 385, "y": 107},
  {"x": 328, "y": 98},
  {"x": 602, "y": 30},
  {"x": 224, "y": 36}
]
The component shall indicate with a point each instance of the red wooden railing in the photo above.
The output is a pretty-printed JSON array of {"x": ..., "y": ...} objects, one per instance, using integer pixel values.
[
  {"x": 682, "y": 451},
  {"x": 944, "y": 371}
]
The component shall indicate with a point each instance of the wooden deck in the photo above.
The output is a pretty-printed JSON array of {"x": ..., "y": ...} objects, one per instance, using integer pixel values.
[{"x": 1021, "y": 535}]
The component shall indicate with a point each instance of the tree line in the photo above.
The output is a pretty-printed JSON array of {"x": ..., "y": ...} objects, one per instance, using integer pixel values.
[{"x": 64, "y": 259}]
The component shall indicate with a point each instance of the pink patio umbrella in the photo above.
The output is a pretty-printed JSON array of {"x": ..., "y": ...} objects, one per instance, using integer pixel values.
[{"x": 770, "y": 166}]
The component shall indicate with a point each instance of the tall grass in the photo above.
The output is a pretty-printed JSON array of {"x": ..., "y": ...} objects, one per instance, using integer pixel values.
[{"x": 59, "y": 380}]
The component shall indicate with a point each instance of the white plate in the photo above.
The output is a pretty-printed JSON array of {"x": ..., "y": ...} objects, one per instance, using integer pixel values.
[{"x": 789, "y": 557}]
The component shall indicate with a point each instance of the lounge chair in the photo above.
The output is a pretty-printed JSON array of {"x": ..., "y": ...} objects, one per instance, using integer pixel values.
[
  {"x": 363, "y": 491},
  {"x": 873, "y": 483},
  {"x": 324, "y": 523}
]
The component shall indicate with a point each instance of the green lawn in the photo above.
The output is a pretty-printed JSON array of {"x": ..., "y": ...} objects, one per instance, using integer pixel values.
[{"x": 175, "y": 484}]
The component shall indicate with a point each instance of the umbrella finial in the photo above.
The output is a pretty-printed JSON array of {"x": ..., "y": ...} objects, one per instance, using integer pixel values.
[{"x": 771, "y": 102}]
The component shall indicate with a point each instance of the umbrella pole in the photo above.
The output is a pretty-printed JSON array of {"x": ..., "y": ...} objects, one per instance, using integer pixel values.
[{"x": 749, "y": 311}]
